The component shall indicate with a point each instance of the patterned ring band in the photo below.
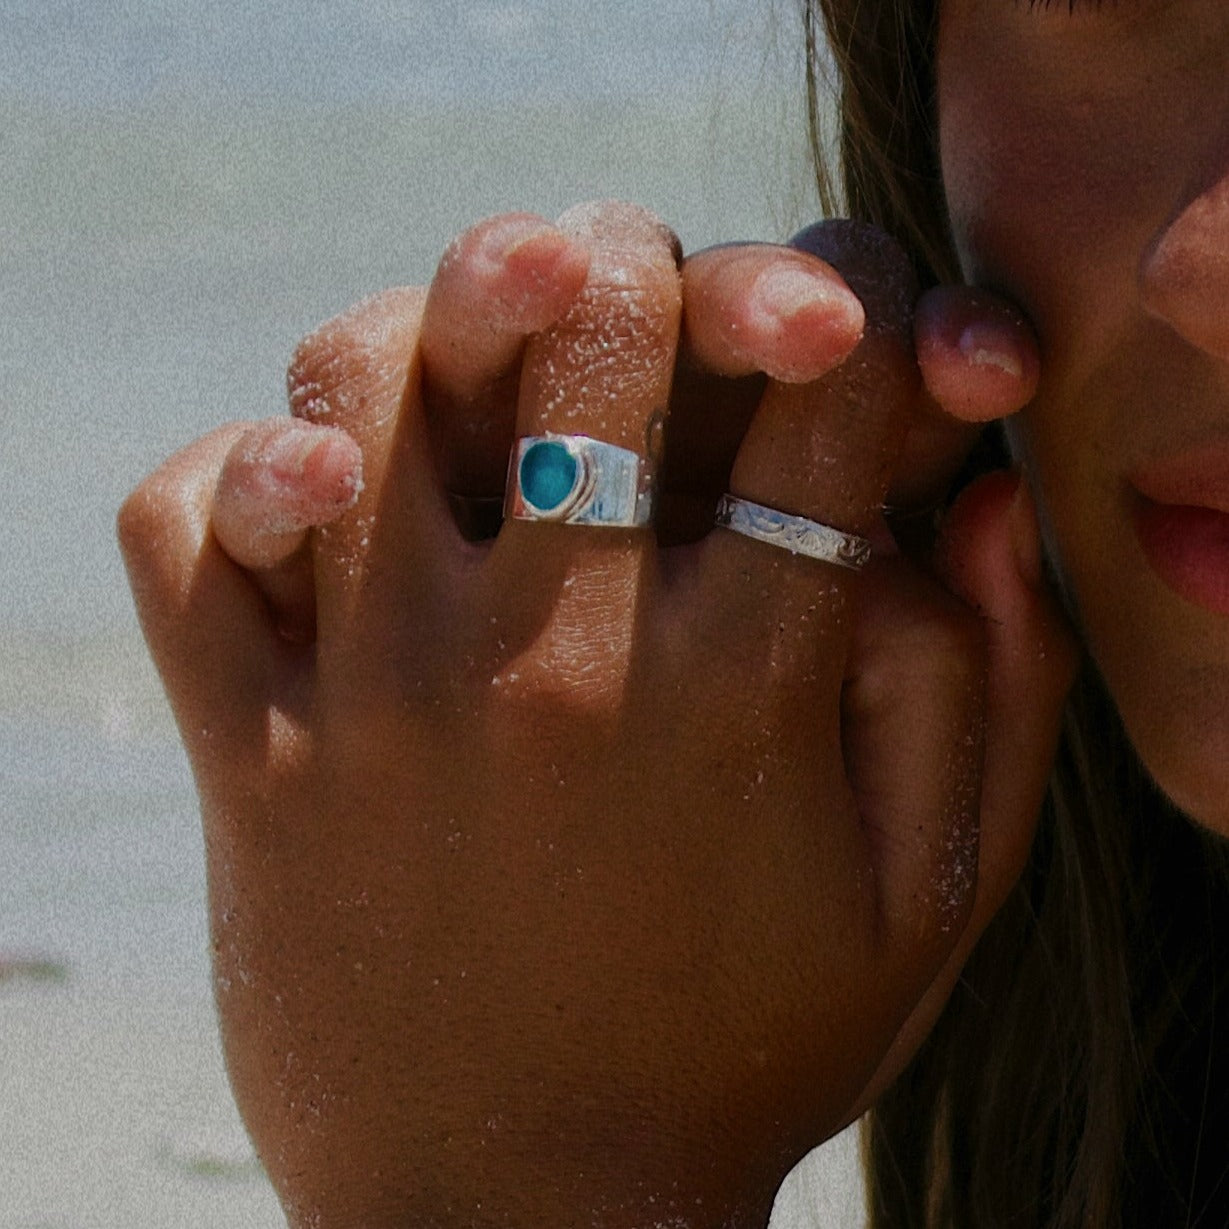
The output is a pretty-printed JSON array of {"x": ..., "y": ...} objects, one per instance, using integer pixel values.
[
  {"x": 795, "y": 534},
  {"x": 577, "y": 480}
]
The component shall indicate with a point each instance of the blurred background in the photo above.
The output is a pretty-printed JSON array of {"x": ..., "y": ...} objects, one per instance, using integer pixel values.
[{"x": 187, "y": 188}]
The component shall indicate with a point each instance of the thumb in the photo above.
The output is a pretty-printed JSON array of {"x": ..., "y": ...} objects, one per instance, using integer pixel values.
[
  {"x": 912, "y": 718},
  {"x": 990, "y": 555}
]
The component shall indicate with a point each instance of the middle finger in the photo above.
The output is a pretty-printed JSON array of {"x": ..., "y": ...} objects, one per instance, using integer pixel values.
[{"x": 604, "y": 372}]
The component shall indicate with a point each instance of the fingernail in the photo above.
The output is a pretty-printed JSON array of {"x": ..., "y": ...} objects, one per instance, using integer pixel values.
[
  {"x": 287, "y": 454},
  {"x": 984, "y": 345},
  {"x": 786, "y": 291},
  {"x": 326, "y": 465},
  {"x": 516, "y": 238},
  {"x": 1026, "y": 534}
]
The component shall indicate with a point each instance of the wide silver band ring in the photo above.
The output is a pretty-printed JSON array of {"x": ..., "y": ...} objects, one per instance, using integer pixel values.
[
  {"x": 577, "y": 480},
  {"x": 795, "y": 534}
]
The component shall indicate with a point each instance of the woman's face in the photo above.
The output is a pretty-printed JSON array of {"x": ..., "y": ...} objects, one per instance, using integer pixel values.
[{"x": 1085, "y": 152}]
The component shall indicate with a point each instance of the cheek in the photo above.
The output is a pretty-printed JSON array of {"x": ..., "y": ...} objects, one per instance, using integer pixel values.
[
  {"x": 1058, "y": 176},
  {"x": 1034, "y": 163},
  {"x": 1033, "y": 174},
  {"x": 999, "y": 176},
  {"x": 1034, "y": 216}
]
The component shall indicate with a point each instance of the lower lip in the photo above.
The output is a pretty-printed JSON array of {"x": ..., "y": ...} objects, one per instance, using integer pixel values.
[{"x": 1189, "y": 550}]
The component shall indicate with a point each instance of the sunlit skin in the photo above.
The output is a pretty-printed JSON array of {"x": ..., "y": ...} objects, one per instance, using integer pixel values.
[{"x": 1085, "y": 154}]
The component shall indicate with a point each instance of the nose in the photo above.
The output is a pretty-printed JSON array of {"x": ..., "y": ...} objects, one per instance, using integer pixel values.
[{"x": 1184, "y": 274}]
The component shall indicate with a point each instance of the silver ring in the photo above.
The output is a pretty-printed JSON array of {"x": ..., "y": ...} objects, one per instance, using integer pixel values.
[
  {"x": 795, "y": 534},
  {"x": 576, "y": 480}
]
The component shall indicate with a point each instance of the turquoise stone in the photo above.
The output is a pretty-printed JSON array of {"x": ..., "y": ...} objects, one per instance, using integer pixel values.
[{"x": 548, "y": 474}]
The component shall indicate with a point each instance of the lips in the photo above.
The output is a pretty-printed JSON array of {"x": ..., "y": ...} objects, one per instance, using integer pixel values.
[{"x": 1182, "y": 521}]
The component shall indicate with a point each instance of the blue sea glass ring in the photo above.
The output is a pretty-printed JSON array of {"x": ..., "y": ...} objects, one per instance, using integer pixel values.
[
  {"x": 551, "y": 476},
  {"x": 577, "y": 480}
]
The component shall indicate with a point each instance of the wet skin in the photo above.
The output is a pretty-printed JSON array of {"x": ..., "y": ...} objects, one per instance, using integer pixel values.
[{"x": 1086, "y": 158}]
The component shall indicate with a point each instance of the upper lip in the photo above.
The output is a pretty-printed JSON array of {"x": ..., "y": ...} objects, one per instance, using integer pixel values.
[{"x": 1195, "y": 477}]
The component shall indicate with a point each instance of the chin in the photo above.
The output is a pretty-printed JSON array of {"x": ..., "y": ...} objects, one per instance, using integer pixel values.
[
  {"x": 1208, "y": 809},
  {"x": 1189, "y": 762}
]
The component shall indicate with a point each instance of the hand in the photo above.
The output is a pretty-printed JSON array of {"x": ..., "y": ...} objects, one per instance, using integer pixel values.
[
  {"x": 562, "y": 876},
  {"x": 978, "y": 361}
]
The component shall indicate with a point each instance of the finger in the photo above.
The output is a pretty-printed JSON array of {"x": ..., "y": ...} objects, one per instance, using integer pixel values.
[
  {"x": 823, "y": 451},
  {"x": 979, "y": 362},
  {"x": 912, "y": 716},
  {"x": 748, "y": 311},
  {"x": 990, "y": 555},
  {"x": 603, "y": 371},
  {"x": 206, "y": 623},
  {"x": 605, "y": 368},
  {"x": 361, "y": 372},
  {"x": 279, "y": 479},
  {"x": 977, "y": 353},
  {"x": 760, "y": 308},
  {"x": 500, "y": 281},
  {"x": 351, "y": 371}
]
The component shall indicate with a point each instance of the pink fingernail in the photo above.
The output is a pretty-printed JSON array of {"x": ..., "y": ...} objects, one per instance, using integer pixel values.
[
  {"x": 984, "y": 345},
  {"x": 328, "y": 461},
  {"x": 520, "y": 237},
  {"x": 788, "y": 290},
  {"x": 288, "y": 453}
]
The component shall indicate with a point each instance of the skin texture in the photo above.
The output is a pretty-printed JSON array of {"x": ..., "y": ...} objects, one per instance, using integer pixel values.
[
  {"x": 576, "y": 876},
  {"x": 1086, "y": 160}
]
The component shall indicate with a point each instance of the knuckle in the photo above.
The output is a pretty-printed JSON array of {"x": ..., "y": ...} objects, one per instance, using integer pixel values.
[
  {"x": 614, "y": 347},
  {"x": 847, "y": 240},
  {"x": 561, "y": 691},
  {"x": 149, "y": 526},
  {"x": 137, "y": 521},
  {"x": 606, "y": 362},
  {"x": 165, "y": 519},
  {"x": 618, "y": 336},
  {"x": 356, "y": 361}
]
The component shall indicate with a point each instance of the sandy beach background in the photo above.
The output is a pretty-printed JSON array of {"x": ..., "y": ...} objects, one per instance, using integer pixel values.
[{"x": 187, "y": 190}]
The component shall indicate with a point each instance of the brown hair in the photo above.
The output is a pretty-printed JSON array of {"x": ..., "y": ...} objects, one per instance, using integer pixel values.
[
  {"x": 1072, "y": 1080},
  {"x": 888, "y": 171}
]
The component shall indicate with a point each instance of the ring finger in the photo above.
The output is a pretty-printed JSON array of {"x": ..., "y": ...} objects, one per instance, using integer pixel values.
[
  {"x": 823, "y": 451},
  {"x": 750, "y": 311}
]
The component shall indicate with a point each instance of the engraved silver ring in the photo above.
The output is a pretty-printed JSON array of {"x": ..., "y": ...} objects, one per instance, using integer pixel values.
[{"x": 796, "y": 534}]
